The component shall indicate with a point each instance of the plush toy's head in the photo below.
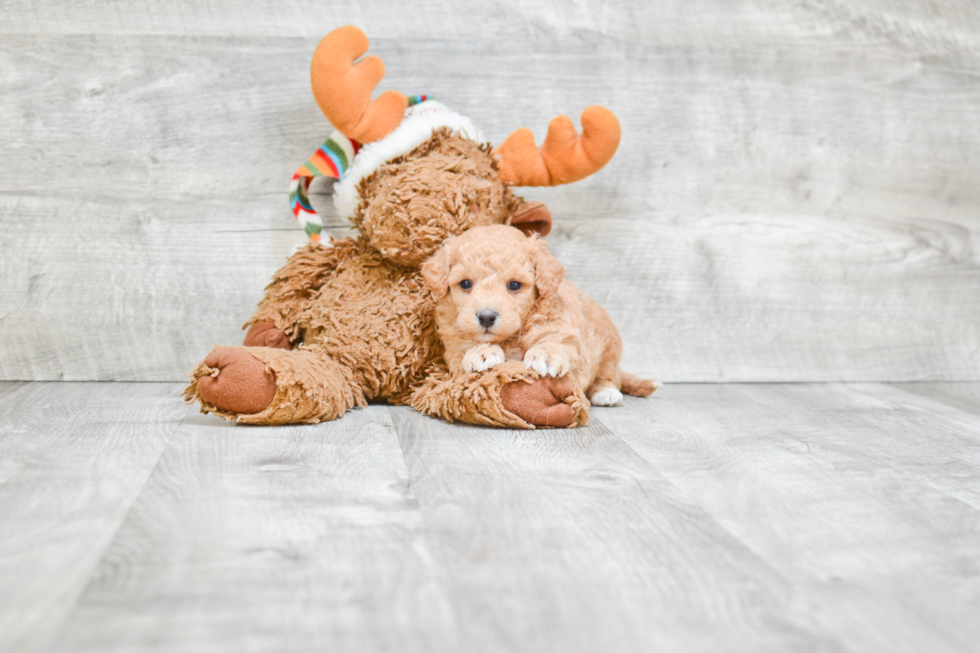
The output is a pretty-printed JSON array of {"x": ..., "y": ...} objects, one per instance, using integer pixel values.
[
  {"x": 429, "y": 179},
  {"x": 424, "y": 173},
  {"x": 411, "y": 204}
]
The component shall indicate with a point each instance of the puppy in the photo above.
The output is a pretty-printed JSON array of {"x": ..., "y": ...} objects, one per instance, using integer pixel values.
[{"x": 501, "y": 297}]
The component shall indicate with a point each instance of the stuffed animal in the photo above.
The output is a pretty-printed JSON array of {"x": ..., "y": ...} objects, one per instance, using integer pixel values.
[{"x": 351, "y": 321}]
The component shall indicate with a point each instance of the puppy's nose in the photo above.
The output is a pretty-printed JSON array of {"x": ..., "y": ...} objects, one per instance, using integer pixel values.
[{"x": 487, "y": 318}]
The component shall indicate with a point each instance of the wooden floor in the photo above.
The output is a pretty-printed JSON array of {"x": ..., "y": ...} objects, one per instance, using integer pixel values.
[{"x": 793, "y": 517}]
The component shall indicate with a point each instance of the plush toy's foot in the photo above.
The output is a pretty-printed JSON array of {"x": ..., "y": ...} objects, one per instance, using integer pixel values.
[
  {"x": 237, "y": 382},
  {"x": 265, "y": 334},
  {"x": 267, "y": 385},
  {"x": 541, "y": 402}
]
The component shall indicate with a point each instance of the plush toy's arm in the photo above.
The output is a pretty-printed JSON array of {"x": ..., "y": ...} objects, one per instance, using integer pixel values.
[
  {"x": 293, "y": 286},
  {"x": 510, "y": 395}
]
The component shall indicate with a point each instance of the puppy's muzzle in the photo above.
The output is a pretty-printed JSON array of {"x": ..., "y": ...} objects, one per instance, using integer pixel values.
[{"x": 487, "y": 318}]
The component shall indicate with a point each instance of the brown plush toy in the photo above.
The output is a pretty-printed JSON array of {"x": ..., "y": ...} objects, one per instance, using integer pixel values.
[{"x": 352, "y": 321}]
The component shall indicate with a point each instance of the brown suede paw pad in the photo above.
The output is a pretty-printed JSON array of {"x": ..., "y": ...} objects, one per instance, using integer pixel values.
[
  {"x": 265, "y": 334},
  {"x": 541, "y": 402},
  {"x": 239, "y": 382}
]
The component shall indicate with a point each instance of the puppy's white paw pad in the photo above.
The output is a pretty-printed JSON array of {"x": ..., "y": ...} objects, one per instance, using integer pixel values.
[
  {"x": 540, "y": 365},
  {"x": 480, "y": 359},
  {"x": 607, "y": 397},
  {"x": 547, "y": 364}
]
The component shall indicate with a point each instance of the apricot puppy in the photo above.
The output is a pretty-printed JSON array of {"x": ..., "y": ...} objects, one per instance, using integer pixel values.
[{"x": 501, "y": 296}]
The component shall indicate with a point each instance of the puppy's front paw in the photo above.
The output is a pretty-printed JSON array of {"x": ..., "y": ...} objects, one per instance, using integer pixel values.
[
  {"x": 548, "y": 360},
  {"x": 482, "y": 357}
]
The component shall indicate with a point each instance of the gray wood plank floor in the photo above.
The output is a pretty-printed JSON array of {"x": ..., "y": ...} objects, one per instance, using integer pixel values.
[{"x": 830, "y": 517}]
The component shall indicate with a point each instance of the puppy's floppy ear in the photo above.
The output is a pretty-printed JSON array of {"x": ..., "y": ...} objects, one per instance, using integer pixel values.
[
  {"x": 435, "y": 271},
  {"x": 548, "y": 272}
]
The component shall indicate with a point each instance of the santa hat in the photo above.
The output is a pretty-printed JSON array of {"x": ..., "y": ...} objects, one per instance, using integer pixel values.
[{"x": 349, "y": 162}]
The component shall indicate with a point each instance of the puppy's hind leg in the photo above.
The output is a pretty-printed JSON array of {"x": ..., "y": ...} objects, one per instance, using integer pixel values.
[
  {"x": 605, "y": 396},
  {"x": 604, "y": 391},
  {"x": 611, "y": 383}
]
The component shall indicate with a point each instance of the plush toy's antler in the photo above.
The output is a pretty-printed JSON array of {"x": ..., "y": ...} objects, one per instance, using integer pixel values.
[
  {"x": 343, "y": 88},
  {"x": 565, "y": 156}
]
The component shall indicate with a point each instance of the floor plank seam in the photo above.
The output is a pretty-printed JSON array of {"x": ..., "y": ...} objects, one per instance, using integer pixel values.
[
  {"x": 438, "y": 556},
  {"x": 110, "y": 541}
]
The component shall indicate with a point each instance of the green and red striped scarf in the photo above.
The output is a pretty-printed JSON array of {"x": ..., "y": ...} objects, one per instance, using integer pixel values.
[{"x": 332, "y": 159}]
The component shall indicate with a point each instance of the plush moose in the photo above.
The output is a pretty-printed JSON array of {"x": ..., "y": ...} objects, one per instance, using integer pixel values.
[{"x": 352, "y": 321}]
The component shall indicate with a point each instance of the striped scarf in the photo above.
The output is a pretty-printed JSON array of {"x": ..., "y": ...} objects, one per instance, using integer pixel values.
[{"x": 333, "y": 159}]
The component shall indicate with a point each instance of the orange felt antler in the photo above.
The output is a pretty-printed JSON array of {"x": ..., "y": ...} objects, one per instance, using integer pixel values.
[
  {"x": 343, "y": 88},
  {"x": 564, "y": 157}
]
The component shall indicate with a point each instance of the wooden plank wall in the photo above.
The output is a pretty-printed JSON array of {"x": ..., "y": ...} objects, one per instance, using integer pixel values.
[{"x": 795, "y": 197}]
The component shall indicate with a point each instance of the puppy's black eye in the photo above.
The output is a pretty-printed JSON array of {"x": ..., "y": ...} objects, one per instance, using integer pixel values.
[
  {"x": 465, "y": 284},
  {"x": 514, "y": 285}
]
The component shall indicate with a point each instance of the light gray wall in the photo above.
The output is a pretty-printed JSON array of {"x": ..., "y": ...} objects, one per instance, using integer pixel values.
[{"x": 795, "y": 198}]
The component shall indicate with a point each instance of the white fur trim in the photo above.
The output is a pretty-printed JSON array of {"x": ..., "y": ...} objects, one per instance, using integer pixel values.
[{"x": 415, "y": 129}]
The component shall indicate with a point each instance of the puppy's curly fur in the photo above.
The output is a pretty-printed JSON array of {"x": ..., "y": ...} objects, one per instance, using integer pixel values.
[{"x": 501, "y": 296}]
